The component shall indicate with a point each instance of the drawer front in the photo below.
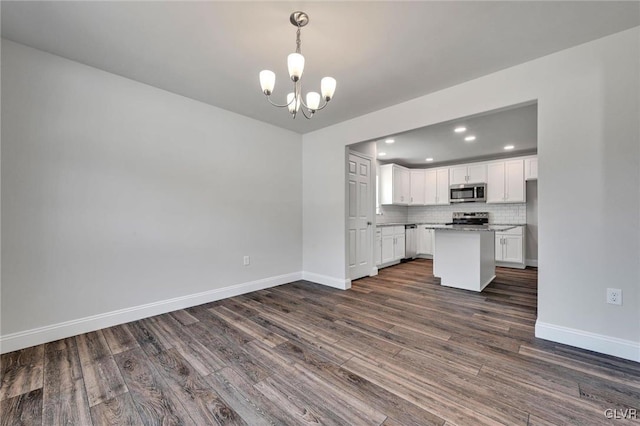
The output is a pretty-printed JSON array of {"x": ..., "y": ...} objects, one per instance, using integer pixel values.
[{"x": 387, "y": 230}]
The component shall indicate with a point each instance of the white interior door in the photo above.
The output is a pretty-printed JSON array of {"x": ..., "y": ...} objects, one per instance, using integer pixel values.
[{"x": 359, "y": 217}]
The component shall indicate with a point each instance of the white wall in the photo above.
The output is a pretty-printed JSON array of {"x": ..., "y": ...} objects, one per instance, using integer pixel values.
[
  {"x": 116, "y": 194},
  {"x": 588, "y": 142}
]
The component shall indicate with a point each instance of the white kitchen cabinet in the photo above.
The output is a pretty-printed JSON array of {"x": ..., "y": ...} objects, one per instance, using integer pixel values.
[
  {"x": 531, "y": 168},
  {"x": 377, "y": 248},
  {"x": 457, "y": 175},
  {"x": 505, "y": 182},
  {"x": 417, "y": 182},
  {"x": 425, "y": 240},
  {"x": 399, "y": 248},
  {"x": 510, "y": 247},
  {"x": 392, "y": 244},
  {"x": 395, "y": 185},
  {"x": 470, "y": 173},
  {"x": 436, "y": 188},
  {"x": 388, "y": 244}
]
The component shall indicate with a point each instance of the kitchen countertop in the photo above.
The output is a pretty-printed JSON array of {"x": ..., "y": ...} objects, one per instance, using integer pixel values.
[
  {"x": 496, "y": 227},
  {"x": 407, "y": 223}
]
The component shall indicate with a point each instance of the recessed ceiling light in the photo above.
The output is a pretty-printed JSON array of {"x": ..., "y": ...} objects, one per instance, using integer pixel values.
[
  {"x": 508, "y": 147},
  {"x": 429, "y": 159},
  {"x": 382, "y": 154},
  {"x": 470, "y": 138},
  {"x": 460, "y": 129},
  {"x": 389, "y": 141}
]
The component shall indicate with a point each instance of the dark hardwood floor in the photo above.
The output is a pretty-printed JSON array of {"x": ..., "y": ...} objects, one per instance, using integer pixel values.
[{"x": 397, "y": 349}]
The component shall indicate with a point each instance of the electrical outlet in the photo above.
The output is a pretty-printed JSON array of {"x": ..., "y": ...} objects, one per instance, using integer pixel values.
[
  {"x": 246, "y": 261},
  {"x": 614, "y": 296}
]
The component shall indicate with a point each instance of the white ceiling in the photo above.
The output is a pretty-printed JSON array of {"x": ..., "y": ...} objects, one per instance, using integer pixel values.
[
  {"x": 517, "y": 126},
  {"x": 381, "y": 53}
]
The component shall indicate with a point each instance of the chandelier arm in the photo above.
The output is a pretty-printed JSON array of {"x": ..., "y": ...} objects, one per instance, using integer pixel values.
[
  {"x": 314, "y": 110},
  {"x": 302, "y": 102},
  {"x": 323, "y": 106},
  {"x": 277, "y": 105}
]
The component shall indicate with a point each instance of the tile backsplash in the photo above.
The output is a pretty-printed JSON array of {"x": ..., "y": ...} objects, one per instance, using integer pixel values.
[
  {"x": 498, "y": 213},
  {"x": 392, "y": 214}
]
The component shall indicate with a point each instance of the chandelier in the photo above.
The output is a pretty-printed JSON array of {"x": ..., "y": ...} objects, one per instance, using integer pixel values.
[{"x": 295, "y": 62}]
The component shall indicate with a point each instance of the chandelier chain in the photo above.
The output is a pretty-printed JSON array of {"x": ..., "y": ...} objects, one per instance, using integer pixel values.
[{"x": 298, "y": 40}]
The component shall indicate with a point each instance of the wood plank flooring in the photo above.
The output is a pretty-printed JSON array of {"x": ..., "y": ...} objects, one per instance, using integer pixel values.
[{"x": 397, "y": 349}]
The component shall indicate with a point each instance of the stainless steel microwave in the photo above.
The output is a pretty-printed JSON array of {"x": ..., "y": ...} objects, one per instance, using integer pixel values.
[{"x": 468, "y": 193}]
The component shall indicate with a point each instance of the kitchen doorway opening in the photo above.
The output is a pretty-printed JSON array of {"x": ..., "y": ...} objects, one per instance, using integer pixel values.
[{"x": 413, "y": 172}]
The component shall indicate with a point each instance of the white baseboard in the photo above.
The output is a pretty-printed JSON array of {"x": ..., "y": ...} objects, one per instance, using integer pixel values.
[
  {"x": 621, "y": 348},
  {"x": 24, "y": 339},
  {"x": 374, "y": 272},
  {"x": 342, "y": 284},
  {"x": 531, "y": 262}
]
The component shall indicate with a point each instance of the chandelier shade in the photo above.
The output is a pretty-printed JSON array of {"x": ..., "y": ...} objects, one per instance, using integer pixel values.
[
  {"x": 295, "y": 63},
  {"x": 313, "y": 100},
  {"x": 327, "y": 87},
  {"x": 267, "y": 81},
  {"x": 295, "y": 66}
]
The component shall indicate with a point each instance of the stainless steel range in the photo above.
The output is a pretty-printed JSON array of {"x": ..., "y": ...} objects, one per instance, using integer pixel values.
[{"x": 480, "y": 219}]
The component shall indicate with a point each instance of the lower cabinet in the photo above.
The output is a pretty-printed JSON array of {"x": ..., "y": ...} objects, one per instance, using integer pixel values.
[
  {"x": 425, "y": 241},
  {"x": 510, "y": 248},
  {"x": 392, "y": 244},
  {"x": 377, "y": 248}
]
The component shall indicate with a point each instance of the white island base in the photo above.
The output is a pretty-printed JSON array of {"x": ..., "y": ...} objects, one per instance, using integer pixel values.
[{"x": 465, "y": 258}]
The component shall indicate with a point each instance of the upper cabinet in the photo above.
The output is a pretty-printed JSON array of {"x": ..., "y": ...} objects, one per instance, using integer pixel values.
[
  {"x": 505, "y": 182},
  {"x": 531, "y": 168},
  {"x": 395, "y": 185},
  {"x": 417, "y": 187},
  {"x": 470, "y": 173},
  {"x": 436, "y": 188}
]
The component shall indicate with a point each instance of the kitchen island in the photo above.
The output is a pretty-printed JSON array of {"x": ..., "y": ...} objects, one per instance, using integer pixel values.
[{"x": 465, "y": 257}]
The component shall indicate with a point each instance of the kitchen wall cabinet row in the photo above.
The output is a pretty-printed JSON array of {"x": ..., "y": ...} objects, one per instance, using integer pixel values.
[
  {"x": 413, "y": 187},
  {"x": 505, "y": 181}
]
